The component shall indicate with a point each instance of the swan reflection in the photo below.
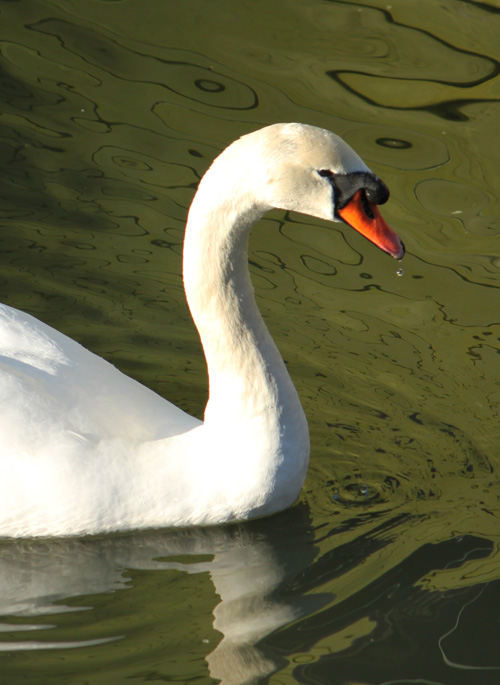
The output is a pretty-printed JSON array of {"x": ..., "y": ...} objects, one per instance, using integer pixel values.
[{"x": 246, "y": 564}]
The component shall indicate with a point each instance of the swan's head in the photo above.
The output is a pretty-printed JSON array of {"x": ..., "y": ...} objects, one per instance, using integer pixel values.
[{"x": 313, "y": 171}]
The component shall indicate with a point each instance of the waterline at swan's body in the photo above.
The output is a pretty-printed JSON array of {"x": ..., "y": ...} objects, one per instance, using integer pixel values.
[{"x": 85, "y": 449}]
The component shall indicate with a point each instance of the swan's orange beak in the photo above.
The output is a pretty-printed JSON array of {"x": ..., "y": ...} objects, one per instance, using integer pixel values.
[{"x": 365, "y": 218}]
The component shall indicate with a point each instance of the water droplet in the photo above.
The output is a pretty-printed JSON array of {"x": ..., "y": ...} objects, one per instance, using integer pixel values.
[
  {"x": 400, "y": 272},
  {"x": 364, "y": 490}
]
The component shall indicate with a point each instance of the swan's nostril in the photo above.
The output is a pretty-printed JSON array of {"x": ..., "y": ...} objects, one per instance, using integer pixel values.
[{"x": 367, "y": 208}]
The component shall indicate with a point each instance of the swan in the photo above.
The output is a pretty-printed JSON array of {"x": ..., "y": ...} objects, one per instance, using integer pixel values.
[{"x": 85, "y": 450}]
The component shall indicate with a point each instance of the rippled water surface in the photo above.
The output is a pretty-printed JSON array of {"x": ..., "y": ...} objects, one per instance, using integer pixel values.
[{"x": 387, "y": 570}]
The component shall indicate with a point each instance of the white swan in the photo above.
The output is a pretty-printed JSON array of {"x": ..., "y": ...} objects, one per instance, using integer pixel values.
[{"x": 85, "y": 449}]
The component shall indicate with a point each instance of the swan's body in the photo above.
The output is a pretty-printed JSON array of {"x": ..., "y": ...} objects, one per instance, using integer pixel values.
[{"x": 84, "y": 449}]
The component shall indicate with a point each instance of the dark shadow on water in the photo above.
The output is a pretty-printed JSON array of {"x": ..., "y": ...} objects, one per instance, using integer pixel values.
[{"x": 397, "y": 630}]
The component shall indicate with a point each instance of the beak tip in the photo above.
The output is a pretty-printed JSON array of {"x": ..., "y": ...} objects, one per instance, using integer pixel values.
[{"x": 400, "y": 253}]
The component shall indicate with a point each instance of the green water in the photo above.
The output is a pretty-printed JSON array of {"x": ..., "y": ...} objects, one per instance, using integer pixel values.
[{"x": 387, "y": 570}]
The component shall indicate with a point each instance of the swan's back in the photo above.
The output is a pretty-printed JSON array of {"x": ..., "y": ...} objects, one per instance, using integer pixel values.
[{"x": 52, "y": 384}]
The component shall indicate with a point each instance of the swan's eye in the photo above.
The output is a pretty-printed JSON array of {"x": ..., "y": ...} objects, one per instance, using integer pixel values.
[{"x": 326, "y": 173}]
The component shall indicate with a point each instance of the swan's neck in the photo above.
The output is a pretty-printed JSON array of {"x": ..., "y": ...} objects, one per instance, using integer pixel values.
[{"x": 250, "y": 392}]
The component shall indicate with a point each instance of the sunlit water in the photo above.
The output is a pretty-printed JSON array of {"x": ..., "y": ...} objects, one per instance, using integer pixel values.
[{"x": 387, "y": 570}]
